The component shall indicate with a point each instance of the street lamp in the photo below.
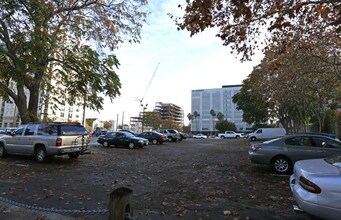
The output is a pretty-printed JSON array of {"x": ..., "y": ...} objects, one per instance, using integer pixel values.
[{"x": 144, "y": 107}]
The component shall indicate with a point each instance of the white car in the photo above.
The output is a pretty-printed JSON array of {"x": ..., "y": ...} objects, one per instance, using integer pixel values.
[
  {"x": 316, "y": 186},
  {"x": 200, "y": 136}
]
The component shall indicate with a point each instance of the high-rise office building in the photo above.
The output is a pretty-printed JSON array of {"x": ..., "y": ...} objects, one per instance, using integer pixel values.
[{"x": 220, "y": 100}]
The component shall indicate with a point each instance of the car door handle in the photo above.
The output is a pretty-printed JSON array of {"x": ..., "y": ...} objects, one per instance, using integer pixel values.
[{"x": 321, "y": 151}]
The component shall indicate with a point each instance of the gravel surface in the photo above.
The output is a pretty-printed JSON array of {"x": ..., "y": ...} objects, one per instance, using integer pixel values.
[{"x": 192, "y": 179}]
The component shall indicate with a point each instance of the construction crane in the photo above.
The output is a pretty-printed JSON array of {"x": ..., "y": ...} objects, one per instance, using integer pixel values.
[{"x": 150, "y": 82}]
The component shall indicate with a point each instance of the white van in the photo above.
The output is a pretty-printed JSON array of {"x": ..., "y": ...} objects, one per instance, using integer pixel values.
[{"x": 266, "y": 133}]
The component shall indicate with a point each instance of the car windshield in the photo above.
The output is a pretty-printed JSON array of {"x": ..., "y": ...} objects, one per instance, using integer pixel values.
[
  {"x": 334, "y": 160},
  {"x": 127, "y": 134},
  {"x": 270, "y": 141}
]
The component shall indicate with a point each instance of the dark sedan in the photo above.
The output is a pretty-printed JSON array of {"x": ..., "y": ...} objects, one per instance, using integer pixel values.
[
  {"x": 283, "y": 152},
  {"x": 121, "y": 138},
  {"x": 153, "y": 137}
]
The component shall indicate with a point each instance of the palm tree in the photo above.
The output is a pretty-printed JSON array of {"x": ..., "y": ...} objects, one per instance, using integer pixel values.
[
  {"x": 213, "y": 114},
  {"x": 220, "y": 116},
  {"x": 196, "y": 115},
  {"x": 190, "y": 117}
]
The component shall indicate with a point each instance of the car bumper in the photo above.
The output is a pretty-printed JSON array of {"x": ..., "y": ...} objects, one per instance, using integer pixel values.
[
  {"x": 306, "y": 201},
  {"x": 68, "y": 150},
  {"x": 258, "y": 158}
]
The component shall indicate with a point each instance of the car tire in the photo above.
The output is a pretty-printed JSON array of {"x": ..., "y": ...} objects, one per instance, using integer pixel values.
[
  {"x": 281, "y": 165},
  {"x": 131, "y": 145},
  {"x": 170, "y": 139},
  {"x": 74, "y": 155},
  {"x": 253, "y": 138},
  {"x": 154, "y": 141},
  {"x": 106, "y": 144},
  {"x": 40, "y": 154},
  {"x": 222, "y": 137},
  {"x": 237, "y": 137},
  {"x": 2, "y": 150}
]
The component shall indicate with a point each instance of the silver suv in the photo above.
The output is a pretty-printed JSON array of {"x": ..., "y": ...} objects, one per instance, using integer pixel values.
[
  {"x": 46, "y": 139},
  {"x": 172, "y": 134}
]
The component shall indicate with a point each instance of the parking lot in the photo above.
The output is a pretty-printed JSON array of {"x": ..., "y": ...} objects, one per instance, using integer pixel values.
[{"x": 192, "y": 179}]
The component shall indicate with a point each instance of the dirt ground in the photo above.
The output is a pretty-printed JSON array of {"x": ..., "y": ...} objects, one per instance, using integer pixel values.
[{"x": 192, "y": 179}]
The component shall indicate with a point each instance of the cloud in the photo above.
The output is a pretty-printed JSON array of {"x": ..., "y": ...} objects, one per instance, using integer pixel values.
[{"x": 186, "y": 63}]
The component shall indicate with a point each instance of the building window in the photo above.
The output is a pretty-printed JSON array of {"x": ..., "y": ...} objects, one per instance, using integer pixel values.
[{"x": 62, "y": 114}]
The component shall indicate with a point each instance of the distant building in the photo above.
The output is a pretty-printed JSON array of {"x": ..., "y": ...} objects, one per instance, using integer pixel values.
[
  {"x": 9, "y": 115},
  {"x": 170, "y": 111},
  {"x": 220, "y": 100}
]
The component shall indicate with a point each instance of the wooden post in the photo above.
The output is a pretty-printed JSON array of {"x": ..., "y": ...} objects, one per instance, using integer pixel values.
[{"x": 120, "y": 203}]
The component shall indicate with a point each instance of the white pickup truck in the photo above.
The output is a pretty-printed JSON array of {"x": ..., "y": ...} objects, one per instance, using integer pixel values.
[{"x": 230, "y": 134}]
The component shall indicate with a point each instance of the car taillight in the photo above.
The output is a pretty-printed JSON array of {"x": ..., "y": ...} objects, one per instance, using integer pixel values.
[
  {"x": 59, "y": 142},
  {"x": 309, "y": 186},
  {"x": 255, "y": 148}
]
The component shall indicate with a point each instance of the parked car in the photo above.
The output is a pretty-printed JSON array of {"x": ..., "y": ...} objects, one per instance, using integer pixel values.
[
  {"x": 122, "y": 138},
  {"x": 283, "y": 152},
  {"x": 315, "y": 185},
  {"x": 200, "y": 136},
  {"x": 46, "y": 139},
  {"x": 130, "y": 131},
  {"x": 266, "y": 133},
  {"x": 230, "y": 134},
  {"x": 100, "y": 132},
  {"x": 172, "y": 134},
  {"x": 153, "y": 137},
  {"x": 182, "y": 136}
]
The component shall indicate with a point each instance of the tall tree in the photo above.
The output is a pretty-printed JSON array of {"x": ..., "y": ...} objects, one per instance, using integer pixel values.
[
  {"x": 213, "y": 114},
  {"x": 220, "y": 116},
  {"x": 241, "y": 23},
  {"x": 44, "y": 40},
  {"x": 196, "y": 116},
  {"x": 152, "y": 119}
]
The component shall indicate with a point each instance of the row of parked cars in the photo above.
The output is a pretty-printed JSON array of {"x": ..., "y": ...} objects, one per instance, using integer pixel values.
[
  {"x": 315, "y": 164},
  {"x": 130, "y": 139}
]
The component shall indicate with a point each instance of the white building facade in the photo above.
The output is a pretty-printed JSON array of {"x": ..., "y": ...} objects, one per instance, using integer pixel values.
[{"x": 220, "y": 100}]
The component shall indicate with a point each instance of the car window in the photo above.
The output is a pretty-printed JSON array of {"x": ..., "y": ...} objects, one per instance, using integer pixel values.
[
  {"x": 120, "y": 135},
  {"x": 172, "y": 131},
  {"x": 30, "y": 129},
  {"x": 293, "y": 141},
  {"x": 19, "y": 131},
  {"x": 111, "y": 135},
  {"x": 46, "y": 129},
  {"x": 325, "y": 142},
  {"x": 72, "y": 129},
  {"x": 259, "y": 131}
]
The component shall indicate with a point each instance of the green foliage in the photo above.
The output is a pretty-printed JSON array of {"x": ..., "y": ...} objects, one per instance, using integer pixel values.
[
  {"x": 152, "y": 119},
  {"x": 44, "y": 42},
  {"x": 225, "y": 125},
  {"x": 255, "y": 109},
  {"x": 220, "y": 116}
]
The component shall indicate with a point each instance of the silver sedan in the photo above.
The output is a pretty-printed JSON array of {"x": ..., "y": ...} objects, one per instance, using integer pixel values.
[
  {"x": 282, "y": 153},
  {"x": 315, "y": 185}
]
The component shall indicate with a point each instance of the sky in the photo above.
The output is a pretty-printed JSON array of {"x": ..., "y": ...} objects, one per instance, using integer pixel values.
[{"x": 181, "y": 64}]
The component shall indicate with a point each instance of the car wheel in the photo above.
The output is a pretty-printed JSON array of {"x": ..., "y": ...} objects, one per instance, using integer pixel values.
[
  {"x": 253, "y": 138},
  {"x": 154, "y": 141},
  {"x": 281, "y": 165},
  {"x": 2, "y": 150},
  {"x": 222, "y": 137},
  {"x": 74, "y": 155},
  {"x": 40, "y": 154},
  {"x": 170, "y": 139},
  {"x": 237, "y": 137},
  {"x": 131, "y": 145},
  {"x": 105, "y": 144}
]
